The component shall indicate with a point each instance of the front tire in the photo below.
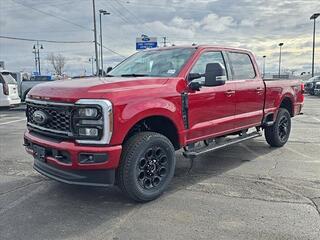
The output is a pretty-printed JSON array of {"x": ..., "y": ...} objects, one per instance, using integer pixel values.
[
  {"x": 278, "y": 134},
  {"x": 147, "y": 166}
]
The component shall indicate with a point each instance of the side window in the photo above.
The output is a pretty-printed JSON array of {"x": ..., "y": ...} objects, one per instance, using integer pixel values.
[
  {"x": 242, "y": 66},
  {"x": 204, "y": 59}
]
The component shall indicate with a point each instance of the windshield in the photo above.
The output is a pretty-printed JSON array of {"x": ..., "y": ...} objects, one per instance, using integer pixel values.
[
  {"x": 7, "y": 78},
  {"x": 159, "y": 63}
]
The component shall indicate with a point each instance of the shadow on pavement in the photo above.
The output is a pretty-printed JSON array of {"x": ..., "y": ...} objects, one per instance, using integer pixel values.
[{"x": 56, "y": 210}]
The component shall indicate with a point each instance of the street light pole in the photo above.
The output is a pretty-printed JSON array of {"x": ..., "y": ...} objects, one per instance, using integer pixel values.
[
  {"x": 35, "y": 57},
  {"x": 101, "y": 11},
  {"x": 92, "y": 61},
  {"x": 280, "y": 45},
  {"x": 264, "y": 66},
  {"x": 314, "y": 17},
  {"x": 95, "y": 35}
]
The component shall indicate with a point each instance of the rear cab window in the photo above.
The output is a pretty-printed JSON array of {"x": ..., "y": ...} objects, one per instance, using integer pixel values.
[
  {"x": 242, "y": 66},
  {"x": 5, "y": 77}
]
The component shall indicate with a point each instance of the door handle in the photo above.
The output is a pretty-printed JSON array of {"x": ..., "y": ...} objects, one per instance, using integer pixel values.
[
  {"x": 230, "y": 92},
  {"x": 259, "y": 90}
]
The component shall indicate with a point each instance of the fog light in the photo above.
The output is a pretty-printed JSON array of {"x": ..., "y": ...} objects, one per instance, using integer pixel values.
[
  {"x": 88, "y": 112},
  {"x": 89, "y": 158},
  {"x": 89, "y": 132}
]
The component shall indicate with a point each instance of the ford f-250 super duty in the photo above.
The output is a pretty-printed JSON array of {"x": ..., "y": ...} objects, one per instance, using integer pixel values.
[{"x": 124, "y": 128}]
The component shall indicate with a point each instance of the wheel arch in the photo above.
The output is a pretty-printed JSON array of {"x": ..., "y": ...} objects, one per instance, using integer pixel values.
[{"x": 156, "y": 123}]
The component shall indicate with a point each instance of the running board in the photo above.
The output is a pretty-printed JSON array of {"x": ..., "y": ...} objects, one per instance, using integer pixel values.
[{"x": 192, "y": 153}]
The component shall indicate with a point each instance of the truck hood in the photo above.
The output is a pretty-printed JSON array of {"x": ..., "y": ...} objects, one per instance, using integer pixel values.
[{"x": 75, "y": 89}]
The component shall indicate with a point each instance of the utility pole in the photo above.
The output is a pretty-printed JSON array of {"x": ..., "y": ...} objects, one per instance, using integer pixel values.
[
  {"x": 35, "y": 57},
  {"x": 314, "y": 17},
  {"x": 280, "y": 45},
  {"x": 104, "y": 12},
  {"x": 95, "y": 35},
  {"x": 164, "y": 41},
  {"x": 36, "y": 51},
  {"x": 264, "y": 66}
]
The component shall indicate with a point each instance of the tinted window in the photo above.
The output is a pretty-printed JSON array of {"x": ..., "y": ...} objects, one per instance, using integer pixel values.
[
  {"x": 162, "y": 63},
  {"x": 242, "y": 66},
  {"x": 40, "y": 78},
  {"x": 205, "y": 58}
]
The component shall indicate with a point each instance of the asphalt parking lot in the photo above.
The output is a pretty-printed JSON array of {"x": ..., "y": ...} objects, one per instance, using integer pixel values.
[{"x": 246, "y": 191}]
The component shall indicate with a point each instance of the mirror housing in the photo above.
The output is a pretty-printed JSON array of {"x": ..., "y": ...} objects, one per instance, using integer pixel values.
[
  {"x": 193, "y": 76},
  {"x": 213, "y": 75},
  {"x": 108, "y": 69}
]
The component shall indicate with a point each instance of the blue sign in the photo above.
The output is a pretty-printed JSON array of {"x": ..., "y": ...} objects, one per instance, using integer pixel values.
[{"x": 145, "y": 42}]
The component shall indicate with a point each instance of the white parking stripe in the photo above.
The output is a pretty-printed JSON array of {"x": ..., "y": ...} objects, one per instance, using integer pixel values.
[
  {"x": 19, "y": 120},
  {"x": 315, "y": 118},
  {"x": 10, "y": 118}
]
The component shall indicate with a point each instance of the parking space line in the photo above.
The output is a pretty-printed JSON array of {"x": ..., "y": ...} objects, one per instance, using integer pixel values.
[
  {"x": 297, "y": 152},
  {"x": 317, "y": 119},
  {"x": 19, "y": 120},
  {"x": 10, "y": 118}
]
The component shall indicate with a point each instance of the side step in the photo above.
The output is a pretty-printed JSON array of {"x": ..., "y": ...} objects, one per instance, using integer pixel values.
[{"x": 194, "y": 152}]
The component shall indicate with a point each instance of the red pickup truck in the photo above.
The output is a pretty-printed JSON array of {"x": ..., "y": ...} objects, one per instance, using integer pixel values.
[{"x": 124, "y": 128}]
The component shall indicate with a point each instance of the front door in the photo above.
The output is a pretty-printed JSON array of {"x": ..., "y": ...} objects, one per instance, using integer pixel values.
[{"x": 212, "y": 109}]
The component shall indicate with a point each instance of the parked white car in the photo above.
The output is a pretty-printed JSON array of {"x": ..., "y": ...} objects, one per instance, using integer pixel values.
[{"x": 9, "y": 95}]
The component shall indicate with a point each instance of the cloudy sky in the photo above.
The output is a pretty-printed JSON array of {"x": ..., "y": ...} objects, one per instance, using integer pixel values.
[{"x": 254, "y": 24}]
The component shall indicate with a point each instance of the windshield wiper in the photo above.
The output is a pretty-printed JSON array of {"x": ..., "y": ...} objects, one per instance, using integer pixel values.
[
  {"x": 108, "y": 75},
  {"x": 134, "y": 75}
]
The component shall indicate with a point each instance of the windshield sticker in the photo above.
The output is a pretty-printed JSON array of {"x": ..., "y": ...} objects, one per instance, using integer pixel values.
[{"x": 171, "y": 71}]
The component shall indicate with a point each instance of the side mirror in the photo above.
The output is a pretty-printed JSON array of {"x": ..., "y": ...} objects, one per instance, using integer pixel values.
[
  {"x": 193, "y": 76},
  {"x": 109, "y": 69},
  {"x": 214, "y": 75}
]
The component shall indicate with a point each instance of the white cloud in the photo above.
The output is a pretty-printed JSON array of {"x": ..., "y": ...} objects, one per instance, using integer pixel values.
[{"x": 214, "y": 23}]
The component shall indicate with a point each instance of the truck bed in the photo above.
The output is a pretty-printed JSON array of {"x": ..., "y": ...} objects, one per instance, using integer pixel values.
[{"x": 278, "y": 89}]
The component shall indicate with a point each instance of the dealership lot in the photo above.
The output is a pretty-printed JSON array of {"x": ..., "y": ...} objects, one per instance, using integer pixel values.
[{"x": 246, "y": 191}]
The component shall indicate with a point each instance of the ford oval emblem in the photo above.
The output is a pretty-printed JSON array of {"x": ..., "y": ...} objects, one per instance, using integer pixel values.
[
  {"x": 145, "y": 39},
  {"x": 39, "y": 117}
]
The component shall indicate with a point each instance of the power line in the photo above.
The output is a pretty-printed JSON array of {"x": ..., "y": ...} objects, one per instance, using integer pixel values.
[
  {"x": 52, "y": 15},
  {"x": 42, "y": 40},
  {"x": 137, "y": 18},
  {"x": 55, "y": 41},
  {"x": 120, "y": 15},
  {"x": 110, "y": 50}
]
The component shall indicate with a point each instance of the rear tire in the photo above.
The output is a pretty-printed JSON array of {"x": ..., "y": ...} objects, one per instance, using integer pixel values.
[
  {"x": 278, "y": 134},
  {"x": 147, "y": 166}
]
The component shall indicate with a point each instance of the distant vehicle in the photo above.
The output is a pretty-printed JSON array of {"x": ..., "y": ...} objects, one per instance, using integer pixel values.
[
  {"x": 26, "y": 85},
  {"x": 8, "y": 90},
  {"x": 310, "y": 84},
  {"x": 317, "y": 89}
]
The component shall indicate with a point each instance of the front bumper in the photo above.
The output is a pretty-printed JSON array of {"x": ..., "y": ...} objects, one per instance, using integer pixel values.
[{"x": 70, "y": 170}]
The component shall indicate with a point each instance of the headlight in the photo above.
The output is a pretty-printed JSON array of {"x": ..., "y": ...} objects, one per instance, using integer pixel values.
[
  {"x": 88, "y": 112},
  {"x": 92, "y": 121},
  {"x": 88, "y": 132}
]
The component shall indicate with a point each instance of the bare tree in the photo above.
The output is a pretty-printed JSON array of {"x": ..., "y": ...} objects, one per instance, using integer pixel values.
[{"x": 58, "y": 62}]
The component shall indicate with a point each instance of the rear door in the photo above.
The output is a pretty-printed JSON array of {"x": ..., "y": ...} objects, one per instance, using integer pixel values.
[
  {"x": 212, "y": 109},
  {"x": 250, "y": 90}
]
